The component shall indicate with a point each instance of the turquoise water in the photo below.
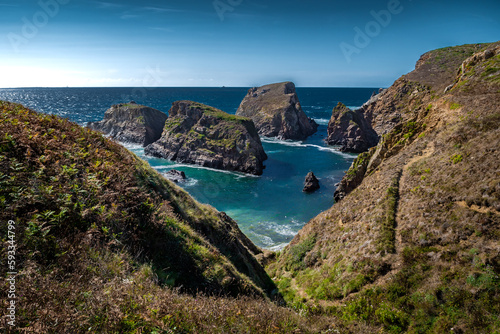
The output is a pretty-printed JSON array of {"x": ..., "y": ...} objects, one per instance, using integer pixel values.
[{"x": 271, "y": 208}]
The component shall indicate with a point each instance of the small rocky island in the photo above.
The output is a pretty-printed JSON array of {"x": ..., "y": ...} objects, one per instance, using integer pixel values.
[
  {"x": 350, "y": 130},
  {"x": 276, "y": 112},
  {"x": 131, "y": 123},
  {"x": 175, "y": 175},
  {"x": 198, "y": 134},
  {"x": 311, "y": 183}
]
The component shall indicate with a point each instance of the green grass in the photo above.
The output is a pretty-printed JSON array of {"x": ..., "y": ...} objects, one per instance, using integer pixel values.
[
  {"x": 387, "y": 239},
  {"x": 456, "y": 158},
  {"x": 217, "y": 113},
  {"x": 294, "y": 255},
  {"x": 359, "y": 164}
]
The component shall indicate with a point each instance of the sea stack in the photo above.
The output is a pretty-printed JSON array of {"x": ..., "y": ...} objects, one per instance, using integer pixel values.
[
  {"x": 198, "y": 134},
  {"x": 311, "y": 183},
  {"x": 350, "y": 130},
  {"x": 131, "y": 123},
  {"x": 276, "y": 112}
]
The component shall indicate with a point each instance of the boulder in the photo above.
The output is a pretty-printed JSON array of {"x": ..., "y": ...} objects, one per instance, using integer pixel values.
[
  {"x": 311, "y": 183},
  {"x": 131, "y": 123},
  {"x": 350, "y": 130},
  {"x": 175, "y": 175},
  {"x": 276, "y": 112},
  {"x": 198, "y": 134}
]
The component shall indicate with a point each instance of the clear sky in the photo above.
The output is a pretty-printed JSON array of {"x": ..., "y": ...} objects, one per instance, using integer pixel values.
[{"x": 355, "y": 43}]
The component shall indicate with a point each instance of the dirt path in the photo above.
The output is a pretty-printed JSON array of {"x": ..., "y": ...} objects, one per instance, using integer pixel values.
[
  {"x": 477, "y": 208},
  {"x": 429, "y": 150}
]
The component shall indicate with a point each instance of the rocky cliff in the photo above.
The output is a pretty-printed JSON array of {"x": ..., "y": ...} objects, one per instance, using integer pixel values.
[
  {"x": 132, "y": 123},
  {"x": 350, "y": 130},
  {"x": 276, "y": 112},
  {"x": 413, "y": 245},
  {"x": 198, "y": 134}
]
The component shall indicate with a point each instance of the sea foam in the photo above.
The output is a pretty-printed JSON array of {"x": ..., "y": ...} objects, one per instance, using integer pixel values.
[{"x": 302, "y": 145}]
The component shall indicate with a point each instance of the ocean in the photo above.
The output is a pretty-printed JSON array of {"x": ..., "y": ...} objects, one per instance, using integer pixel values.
[{"x": 270, "y": 209}]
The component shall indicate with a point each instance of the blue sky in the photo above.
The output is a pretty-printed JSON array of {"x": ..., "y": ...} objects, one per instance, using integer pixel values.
[{"x": 58, "y": 43}]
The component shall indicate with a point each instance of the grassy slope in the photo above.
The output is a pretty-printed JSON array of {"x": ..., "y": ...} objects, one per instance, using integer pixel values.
[
  {"x": 105, "y": 244},
  {"x": 414, "y": 248}
]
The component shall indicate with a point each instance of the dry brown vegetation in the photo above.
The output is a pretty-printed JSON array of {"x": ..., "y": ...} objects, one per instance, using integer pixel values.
[{"x": 415, "y": 246}]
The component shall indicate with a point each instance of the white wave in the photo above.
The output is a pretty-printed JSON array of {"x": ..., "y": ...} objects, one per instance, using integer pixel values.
[
  {"x": 274, "y": 140},
  {"x": 354, "y": 107},
  {"x": 278, "y": 247},
  {"x": 188, "y": 182},
  {"x": 177, "y": 165},
  {"x": 131, "y": 146},
  {"x": 286, "y": 230},
  {"x": 322, "y": 121},
  {"x": 266, "y": 240},
  {"x": 283, "y": 231},
  {"x": 302, "y": 145}
]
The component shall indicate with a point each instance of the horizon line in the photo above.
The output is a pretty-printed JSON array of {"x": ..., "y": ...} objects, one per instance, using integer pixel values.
[{"x": 158, "y": 87}]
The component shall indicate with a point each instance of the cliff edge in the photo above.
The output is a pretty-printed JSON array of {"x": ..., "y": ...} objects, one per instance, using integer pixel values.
[{"x": 413, "y": 244}]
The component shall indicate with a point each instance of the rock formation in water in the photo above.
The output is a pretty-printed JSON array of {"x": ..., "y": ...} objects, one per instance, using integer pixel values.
[
  {"x": 350, "y": 130},
  {"x": 175, "y": 175},
  {"x": 131, "y": 123},
  {"x": 311, "y": 184},
  {"x": 198, "y": 134},
  {"x": 276, "y": 112}
]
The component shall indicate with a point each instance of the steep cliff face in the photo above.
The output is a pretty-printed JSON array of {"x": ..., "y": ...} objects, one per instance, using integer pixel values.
[
  {"x": 132, "y": 123},
  {"x": 413, "y": 245},
  {"x": 198, "y": 134},
  {"x": 350, "y": 130},
  {"x": 276, "y": 112}
]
